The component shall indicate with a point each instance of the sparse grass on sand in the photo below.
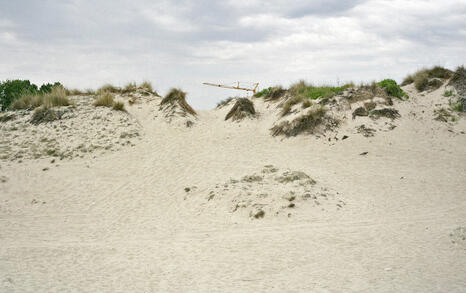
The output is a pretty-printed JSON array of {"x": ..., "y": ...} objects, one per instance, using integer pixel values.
[
  {"x": 108, "y": 88},
  {"x": 107, "y": 100},
  {"x": 55, "y": 98},
  {"x": 306, "y": 123},
  {"x": 147, "y": 86},
  {"x": 179, "y": 97},
  {"x": 421, "y": 78}
]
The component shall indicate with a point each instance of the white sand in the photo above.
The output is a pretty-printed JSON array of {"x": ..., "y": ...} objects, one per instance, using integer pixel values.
[{"x": 122, "y": 221}]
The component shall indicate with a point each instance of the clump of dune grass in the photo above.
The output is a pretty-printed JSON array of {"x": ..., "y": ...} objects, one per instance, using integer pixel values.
[
  {"x": 458, "y": 81},
  {"x": 108, "y": 88},
  {"x": 130, "y": 87},
  {"x": 118, "y": 106},
  {"x": 104, "y": 100},
  {"x": 243, "y": 108},
  {"x": 286, "y": 107},
  {"x": 179, "y": 97},
  {"x": 224, "y": 102},
  {"x": 55, "y": 98},
  {"x": 422, "y": 79},
  {"x": 147, "y": 86},
  {"x": 306, "y": 123}
]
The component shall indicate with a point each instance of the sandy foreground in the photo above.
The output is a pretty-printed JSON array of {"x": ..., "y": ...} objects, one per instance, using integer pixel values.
[{"x": 173, "y": 208}]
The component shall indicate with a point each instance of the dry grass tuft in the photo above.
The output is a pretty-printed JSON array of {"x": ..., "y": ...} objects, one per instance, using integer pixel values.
[
  {"x": 423, "y": 79},
  {"x": 104, "y": 100},
  {"x": 130, "y": 87},
  {"x": 118, "y": 106},
  {"x": 108, "y": 88},
  {"x": 179, "y": 97},
  {"x": 56, "y": 98},
  {"x": 243, "y": 108},
  {"x": 147, "y": 86}
]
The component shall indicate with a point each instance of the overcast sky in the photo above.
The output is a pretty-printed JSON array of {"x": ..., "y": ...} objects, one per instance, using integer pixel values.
[{"x": 85, "y": 44}]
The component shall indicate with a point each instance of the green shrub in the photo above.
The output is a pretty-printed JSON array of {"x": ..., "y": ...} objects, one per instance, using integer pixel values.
[
  {"x": 392, "y": 88},
  {"x": 10, "y": 90},
  {"x": 47, "y": 88},
  {"x": 224, "y": 102}
]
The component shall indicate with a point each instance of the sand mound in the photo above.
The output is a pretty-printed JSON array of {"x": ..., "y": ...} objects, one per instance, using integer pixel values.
[
  {"x": 243, "y": 108},
  {"x": 67, "y": 132},
  {"x": 314, "y": 120},
  {"x": 269, "y": 193}
]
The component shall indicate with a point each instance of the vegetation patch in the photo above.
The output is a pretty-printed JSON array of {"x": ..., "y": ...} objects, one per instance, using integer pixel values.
[
  {"x": 118, "y": 106},
  {"x": 11, "y": 90},
  {"x": 386, "y": 112},
  {"x": 306, "y": 123},
  {"x": 44, "y": 115},
  {"x": 241, "y": 109},
  {"x": 104, "y": 100},
  {"x": 7, "y": 117},
  {"x": 314, "y": 92},
  {"x": 55, "y": 98},
  {"x": 458, "y": 81},
  {"x": 177, "y": 96},
  {"x": 443, "y": 115},
  {"x": 425, "y": 78},
  {"x": 271, "y": 93},
  {"x": 392, "y": 88}
]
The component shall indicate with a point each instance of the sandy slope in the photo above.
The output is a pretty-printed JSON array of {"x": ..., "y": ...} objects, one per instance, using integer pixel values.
[{"x": 123, "y": 222}]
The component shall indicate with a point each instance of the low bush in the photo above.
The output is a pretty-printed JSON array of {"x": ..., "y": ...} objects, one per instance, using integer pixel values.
[{"x": 392, "y": 88}]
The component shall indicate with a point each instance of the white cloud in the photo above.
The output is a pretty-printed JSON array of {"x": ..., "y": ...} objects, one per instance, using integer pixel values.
[{"x": 183, "y": 43}]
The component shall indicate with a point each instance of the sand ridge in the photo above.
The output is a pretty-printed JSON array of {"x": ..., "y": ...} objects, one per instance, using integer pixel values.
[{"x": 124, "y": 221}]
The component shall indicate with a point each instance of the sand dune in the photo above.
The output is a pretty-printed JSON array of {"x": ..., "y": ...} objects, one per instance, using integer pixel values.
[{"x": 370, "y": 204}]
